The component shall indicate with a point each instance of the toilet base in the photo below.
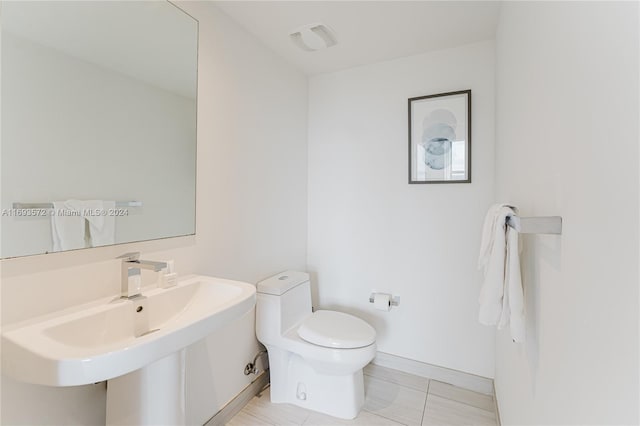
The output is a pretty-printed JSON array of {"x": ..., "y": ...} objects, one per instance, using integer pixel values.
[{"x": 294, "y": 381}]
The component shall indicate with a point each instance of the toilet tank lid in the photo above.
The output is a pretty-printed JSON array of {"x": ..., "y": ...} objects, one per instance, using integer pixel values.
[{"x": 282, "y": 282}]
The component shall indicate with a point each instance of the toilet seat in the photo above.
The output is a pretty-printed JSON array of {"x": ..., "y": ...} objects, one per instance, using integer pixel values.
[{"x": 338, "y": 330}]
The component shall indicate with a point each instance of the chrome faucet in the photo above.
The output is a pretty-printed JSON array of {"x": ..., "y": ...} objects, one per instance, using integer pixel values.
[{"x": 131, "y": 278}]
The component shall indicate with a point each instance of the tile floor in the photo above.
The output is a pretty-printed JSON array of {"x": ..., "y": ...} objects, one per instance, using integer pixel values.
[{"x": 392, "y": 398}]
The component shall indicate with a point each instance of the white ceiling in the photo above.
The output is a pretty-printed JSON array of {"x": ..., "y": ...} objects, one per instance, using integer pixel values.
[
  {"x": 367, "y": 31},
  {"x": 151, "y": 41}
]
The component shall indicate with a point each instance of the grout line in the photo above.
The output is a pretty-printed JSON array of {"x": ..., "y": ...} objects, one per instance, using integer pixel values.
[
  {"x": 480, "y": 394},
  {"x": 464, "y": 403},
  {"x": 388, "y": 380},
  {"x": 492, "y": 411},
  {"x": 385, "y": 417},
  {"x": 253, "y": 417},
  {"x": 306, "y": 419},
  {"x": 396, "y": 383},
  {"x": 424, "y": 408}
]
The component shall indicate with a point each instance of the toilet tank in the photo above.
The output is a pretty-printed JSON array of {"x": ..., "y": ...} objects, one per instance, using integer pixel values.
[{"x": 282, "y": 302}]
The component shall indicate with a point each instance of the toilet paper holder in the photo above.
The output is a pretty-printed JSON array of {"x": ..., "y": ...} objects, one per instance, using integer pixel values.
[{"x": 393, "y": 300}]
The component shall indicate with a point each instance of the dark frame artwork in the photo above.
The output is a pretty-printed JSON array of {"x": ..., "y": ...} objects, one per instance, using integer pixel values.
[{"x": 440, "y": 138}]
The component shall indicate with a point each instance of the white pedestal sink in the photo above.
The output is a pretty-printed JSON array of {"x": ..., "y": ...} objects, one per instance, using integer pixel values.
[{"x": 137, "y": 345}]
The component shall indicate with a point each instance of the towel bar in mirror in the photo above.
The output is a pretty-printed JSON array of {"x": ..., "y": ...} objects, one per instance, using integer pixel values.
[{"x": 27, "y": 206}]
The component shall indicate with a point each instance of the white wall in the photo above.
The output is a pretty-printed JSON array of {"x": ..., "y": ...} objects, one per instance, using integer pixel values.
[
  {"x": 251, "y": 223},
  {"x": 567, "y": 128},
  {"x": 370, "y": 230}
]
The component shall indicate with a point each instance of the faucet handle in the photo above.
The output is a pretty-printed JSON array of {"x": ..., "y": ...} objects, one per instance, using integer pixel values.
[{"x": 130, "y": 257}]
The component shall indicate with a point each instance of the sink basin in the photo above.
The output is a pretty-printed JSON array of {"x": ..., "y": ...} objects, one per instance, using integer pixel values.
[{"x": 110, "y": 338}]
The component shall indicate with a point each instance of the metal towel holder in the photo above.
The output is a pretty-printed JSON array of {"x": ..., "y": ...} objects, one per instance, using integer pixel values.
[{"x": 536, "y": 225}]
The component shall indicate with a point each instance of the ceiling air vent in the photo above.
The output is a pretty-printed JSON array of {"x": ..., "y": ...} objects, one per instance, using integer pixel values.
[{"x": 313, "y": 37}]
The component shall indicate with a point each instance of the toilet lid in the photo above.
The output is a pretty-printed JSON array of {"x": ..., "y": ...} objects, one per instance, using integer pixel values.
[{"x": 336, "y": 330}]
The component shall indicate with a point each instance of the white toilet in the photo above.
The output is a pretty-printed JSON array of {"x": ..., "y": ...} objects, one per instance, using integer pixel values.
[{"x": 315, "y": 358}]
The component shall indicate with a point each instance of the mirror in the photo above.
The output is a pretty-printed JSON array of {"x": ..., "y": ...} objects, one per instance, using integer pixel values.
[{"x": 98, "y": 140}]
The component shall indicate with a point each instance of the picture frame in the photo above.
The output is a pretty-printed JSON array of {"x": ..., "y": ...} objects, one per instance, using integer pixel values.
[{"x": 440, "y": 138}]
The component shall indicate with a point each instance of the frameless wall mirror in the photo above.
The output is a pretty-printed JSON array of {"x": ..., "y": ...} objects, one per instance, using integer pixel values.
[{"x": 98, "y": 124}]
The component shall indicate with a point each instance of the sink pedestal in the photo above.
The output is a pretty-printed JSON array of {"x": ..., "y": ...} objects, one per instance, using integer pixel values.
[{"x": 152, "y": 395}]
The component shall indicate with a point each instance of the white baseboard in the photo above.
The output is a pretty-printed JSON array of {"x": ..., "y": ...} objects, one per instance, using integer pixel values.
[
  {"x": 442, "y": 374},
  {"x": 236, "y": 405}
]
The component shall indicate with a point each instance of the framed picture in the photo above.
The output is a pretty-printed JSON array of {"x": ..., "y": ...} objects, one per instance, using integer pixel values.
[{"x": 440, "y": 138}]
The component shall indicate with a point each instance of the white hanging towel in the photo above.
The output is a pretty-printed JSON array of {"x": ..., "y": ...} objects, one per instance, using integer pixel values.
[
  {"x": 103, "y": 232},
  {"x": 513, "y": 276},
  {"x": 501, "y": 297},
  {"x": 102, "y": 225},
  {"x": 67, "y": 227}
]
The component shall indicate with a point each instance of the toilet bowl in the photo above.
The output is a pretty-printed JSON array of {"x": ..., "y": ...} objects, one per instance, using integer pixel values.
[{"x": 315, "y": 358}]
